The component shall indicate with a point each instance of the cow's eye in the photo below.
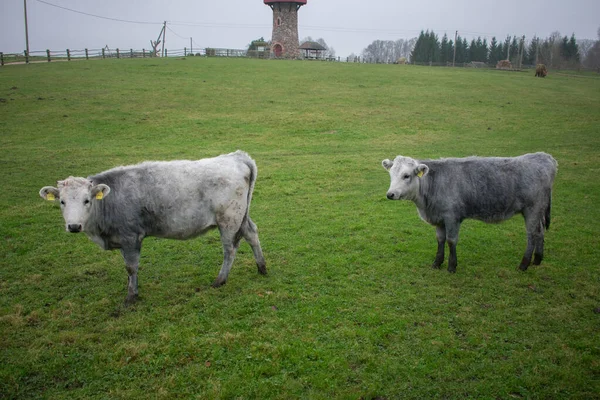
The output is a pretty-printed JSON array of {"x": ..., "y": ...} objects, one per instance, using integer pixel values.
[
  {"x": 62, "y": 202},
  {"x": 86, "y": 201},
  {"x": 405, "y": 176}
]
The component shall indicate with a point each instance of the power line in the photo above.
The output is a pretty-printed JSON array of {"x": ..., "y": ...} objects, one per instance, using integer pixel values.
[
  {"x": 261, "y": 26},
  {"x": 176, "y": 34},
  {"x": 99, "y": 16}
]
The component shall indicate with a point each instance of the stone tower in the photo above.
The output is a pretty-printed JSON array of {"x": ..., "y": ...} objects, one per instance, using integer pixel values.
[{"x": 284, "y": 42}]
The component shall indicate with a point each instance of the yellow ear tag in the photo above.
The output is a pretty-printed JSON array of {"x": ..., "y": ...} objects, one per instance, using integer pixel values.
[
  {"x": 99, "y": 196},
  {"x": 49, "y": 197},
  {"x": 420, "y": 174}
]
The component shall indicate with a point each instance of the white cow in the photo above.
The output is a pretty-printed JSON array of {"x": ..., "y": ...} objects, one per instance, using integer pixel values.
[{"x": 181, "y": 199}]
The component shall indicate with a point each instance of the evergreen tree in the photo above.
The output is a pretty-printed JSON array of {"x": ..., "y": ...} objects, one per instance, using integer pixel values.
[
  {"x": 495, "y": 52},
  {"x": 461, "y": 50},
  {"x": 416, "y": 56},
  {"x": 514, "y": 51},
  {"x": 466, "y": 51},
  {"x": 484, "y": 51},
  {"x": 444, "y": 50},
  {"x": 473, "y": 51},
  {"x": 572, "y": 49},
  {"x": 565, "y": 52},
  {"x": 532, "y": 51},
  {"x": 434, "y": 48},
  {"x": 479, "y": 51},
  {"x": 427, "y": 48}
]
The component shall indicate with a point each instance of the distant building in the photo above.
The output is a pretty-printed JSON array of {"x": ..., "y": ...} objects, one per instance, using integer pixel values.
[
  {"x": 284, "y": 42},
  {"x": 312, "y": 50}
]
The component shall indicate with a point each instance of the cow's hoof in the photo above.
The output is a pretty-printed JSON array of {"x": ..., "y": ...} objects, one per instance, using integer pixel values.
[
  {"x": 131, "y": 300},
  {"x": 523, "y": 267},
  {"x": 452, "y": 269},
  {"x": 262, "y": 269},
  {"x": 218, "y": 283},
  {"x": 436, "y": 265}
]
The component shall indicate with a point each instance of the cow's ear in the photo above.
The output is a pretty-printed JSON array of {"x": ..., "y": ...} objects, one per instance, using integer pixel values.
[
  {"x": 387, "y": 164},
  {"x": 100, "y": 191},
  {"x": 49, "y": 193},
  {"x": 421, "y": 170}
]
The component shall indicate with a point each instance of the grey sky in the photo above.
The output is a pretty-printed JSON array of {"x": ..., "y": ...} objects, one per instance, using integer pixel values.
[{"x": 346, "y": 25}]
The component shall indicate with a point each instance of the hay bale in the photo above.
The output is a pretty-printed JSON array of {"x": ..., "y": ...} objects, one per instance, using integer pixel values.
[{"x": 504, "y": 64}]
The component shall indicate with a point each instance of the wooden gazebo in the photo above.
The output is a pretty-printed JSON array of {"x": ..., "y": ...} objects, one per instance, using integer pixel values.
[{"x": 312, "y": 50}]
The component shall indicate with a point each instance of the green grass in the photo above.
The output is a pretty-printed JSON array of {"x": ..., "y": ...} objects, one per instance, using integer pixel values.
[{"x": 350, "y": 308}]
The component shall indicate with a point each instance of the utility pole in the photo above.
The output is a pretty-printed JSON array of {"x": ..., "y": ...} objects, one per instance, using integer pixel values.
[
  {"x": 454, "y": 57},
  {"x": 163, "y": 41},
  {"x": 191, "y": 49},
  {"x": 26, "y": 31}
]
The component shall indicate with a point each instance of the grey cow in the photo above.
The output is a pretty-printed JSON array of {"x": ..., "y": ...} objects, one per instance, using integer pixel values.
[
  {"x": 181, "y": 199},
  {"x": 493, "y": 189}
]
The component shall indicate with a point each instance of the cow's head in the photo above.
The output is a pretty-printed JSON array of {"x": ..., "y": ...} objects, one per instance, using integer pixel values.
[
  {"x": 76, "y": 196},
  {"x": 405, "y": 174}
]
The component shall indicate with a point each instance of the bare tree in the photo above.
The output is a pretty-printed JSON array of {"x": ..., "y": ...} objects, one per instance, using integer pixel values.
[
  {"x": 584, "y": 46},
  {"x": 329, "y": 51},
  {"x": 388, "y": 51},
  {"x": 592, "y": 59},
  {"x": 352, "y": 58}
]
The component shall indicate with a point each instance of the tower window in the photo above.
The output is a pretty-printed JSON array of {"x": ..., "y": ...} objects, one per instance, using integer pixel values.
[{"x": 278, "y": 22}]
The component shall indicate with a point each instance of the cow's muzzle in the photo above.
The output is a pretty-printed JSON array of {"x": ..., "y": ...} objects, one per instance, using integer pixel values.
[
  {"x": 74, "y": 228},
  {"x": 390, "y": 196}
]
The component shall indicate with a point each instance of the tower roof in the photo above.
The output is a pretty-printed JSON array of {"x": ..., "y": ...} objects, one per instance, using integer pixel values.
[{"x": 300, "y": 2}]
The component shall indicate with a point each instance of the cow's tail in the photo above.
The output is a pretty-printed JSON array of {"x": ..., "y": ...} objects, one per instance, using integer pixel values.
[
  {"x": 246, "y": 159},
  {"x": 547, "y": 213},
  {"x": 548, "y": 210}
]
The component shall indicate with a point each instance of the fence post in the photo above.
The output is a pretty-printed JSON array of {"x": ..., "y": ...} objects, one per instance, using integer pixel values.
[
  {"x": 68, "y": 55},
  {"x": 103, "y": 55},
  {"x": 166, "y": 53},
  {"x": 185, "y": 51},
  {"x": 131, "y": 52},
  {"x": 1, "y": 58},
  {"x": 48, "y": 54},
  {"x": 143, "y": 53},
  {"x": 118, "y": 54},
  {"x": 87, "y": 57},
  {"x": 26, "y": 57}
]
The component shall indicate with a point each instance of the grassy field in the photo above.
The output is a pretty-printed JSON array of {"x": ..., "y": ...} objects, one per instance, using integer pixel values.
[{"x": 350, "y": 308}]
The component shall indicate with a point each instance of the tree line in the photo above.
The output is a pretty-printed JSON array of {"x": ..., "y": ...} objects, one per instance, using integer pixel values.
[{"x": 556, "y": 51}]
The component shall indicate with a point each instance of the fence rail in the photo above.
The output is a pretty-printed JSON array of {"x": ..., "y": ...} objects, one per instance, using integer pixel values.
[{"x": 73, "y": 54}]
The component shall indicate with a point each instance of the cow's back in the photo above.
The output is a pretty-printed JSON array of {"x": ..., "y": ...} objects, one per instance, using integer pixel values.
[
  {"x": 172, "y": 199},
  {"x": 491, "y": 189}
]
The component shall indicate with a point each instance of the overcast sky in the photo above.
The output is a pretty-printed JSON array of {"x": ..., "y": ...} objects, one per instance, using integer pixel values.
[{"x": 346, "y": 25}]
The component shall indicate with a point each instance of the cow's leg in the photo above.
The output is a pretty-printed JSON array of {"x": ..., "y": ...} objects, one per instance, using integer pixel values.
[
  {"x": 533, "y": 224},
  {"x": 440, "y": 233},
  {"x": 538, "y": 253},
  {"x": 230, "y": 243},
  {"x": 131, "y": 255},
  {"x": 452, "y": 229},
  {"x": 250, "y": 233},
  {"x": 230, "y": 224}
]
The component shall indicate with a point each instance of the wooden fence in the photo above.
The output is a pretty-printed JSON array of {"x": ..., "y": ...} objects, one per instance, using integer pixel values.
[{"x": 87, "y": 54}]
